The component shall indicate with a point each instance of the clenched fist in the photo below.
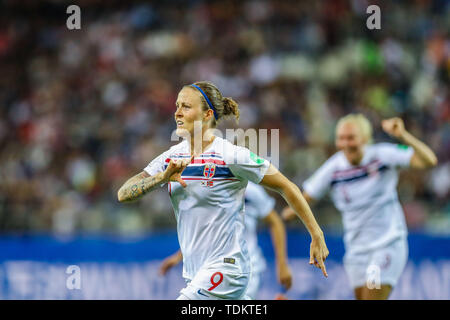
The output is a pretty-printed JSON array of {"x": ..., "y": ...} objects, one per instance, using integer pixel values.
[
  {"x": 394, "y": 127},
  {"x": 174, "y": 170}
]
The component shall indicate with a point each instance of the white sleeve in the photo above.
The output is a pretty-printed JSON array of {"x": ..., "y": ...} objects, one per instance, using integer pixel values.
[
  {"x": 395, "y": 155},
  {"x": 319, "y": 183},
  {"x": 259, "y": 198},
  {"x": 245, "y": 164}
]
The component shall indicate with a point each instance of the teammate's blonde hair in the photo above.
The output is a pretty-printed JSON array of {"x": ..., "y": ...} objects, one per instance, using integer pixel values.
[{"x": 361, "y": 121}]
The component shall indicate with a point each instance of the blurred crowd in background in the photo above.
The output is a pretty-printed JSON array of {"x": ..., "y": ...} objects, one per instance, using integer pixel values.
[{"x": 81, "y": 111}]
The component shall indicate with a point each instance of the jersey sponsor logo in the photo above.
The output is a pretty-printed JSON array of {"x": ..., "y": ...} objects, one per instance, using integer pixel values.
[
  {"x": 209, "y": 170},
  {"x": 402, "y": 147}
]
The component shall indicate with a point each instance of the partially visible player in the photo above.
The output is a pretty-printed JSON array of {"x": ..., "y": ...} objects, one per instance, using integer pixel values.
[
  {"x": 207, "y": 177},
  {"x": 258, "y": 206},
  {"x": 362, "y": 180}
]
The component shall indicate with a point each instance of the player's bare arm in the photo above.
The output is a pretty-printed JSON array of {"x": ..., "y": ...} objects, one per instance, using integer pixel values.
[
  {"x": 138, "y": 185},
  {"x": 143, "y": 183},
  {"x": 288, "y": 214},
  {"x": 291, "y": 193},
  {"x": 170, "y": 262},
  {"x": 423, "y": 156},
  {"x": 278, "y": 234}
]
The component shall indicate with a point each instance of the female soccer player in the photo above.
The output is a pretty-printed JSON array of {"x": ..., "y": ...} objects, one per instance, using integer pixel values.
[
  {"x": 206, "y": 182},
  {"x": 258, "y": 205},
  {"x": 362, "y": 179}
]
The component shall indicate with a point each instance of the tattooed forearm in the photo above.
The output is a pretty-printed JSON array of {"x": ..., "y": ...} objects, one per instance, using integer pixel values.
[
  {"x": 138, "y": 186},
  {"x": 150, "y": 183},
  {"x": 134, "y": 190}
]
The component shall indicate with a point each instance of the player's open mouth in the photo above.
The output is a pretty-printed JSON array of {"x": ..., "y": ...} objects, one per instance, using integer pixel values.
[{"x": 180, "y": 123}]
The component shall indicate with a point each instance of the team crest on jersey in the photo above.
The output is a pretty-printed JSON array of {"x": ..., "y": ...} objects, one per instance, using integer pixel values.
[{"x": 210, "y": 170}]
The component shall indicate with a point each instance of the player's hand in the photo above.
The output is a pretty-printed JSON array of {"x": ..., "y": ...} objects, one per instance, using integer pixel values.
[
  {"x": 285, "y": 276},
  {"x": 174, "y": 170},
  {"x": 319, "y": 253},
  {"x": 394, "y": 127},
  {"x": 167, "y": 264},
  {"x": 288, "y": 214}
]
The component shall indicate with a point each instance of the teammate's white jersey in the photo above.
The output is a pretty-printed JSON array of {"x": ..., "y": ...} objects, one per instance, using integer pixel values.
[
  {"x": 210, "y": 210},
  {"x": 366, "y": 194},
  {"x": 258, "y": 205}
]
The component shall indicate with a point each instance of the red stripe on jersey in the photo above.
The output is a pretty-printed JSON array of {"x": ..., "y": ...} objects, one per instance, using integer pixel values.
[
  {"x": 168, "y": 159},
  {"x": 202, "y": 161},
  {"x": 214, "y": 179},
  {"x": 208, "y": 161},
  {"x": 351, "y": 171}
]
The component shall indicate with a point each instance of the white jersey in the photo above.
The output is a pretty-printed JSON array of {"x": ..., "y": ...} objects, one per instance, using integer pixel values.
[
  {"x": 258, "y": 205},
  {"x": 210, "y": 210},
  {"x": 366, "y": 194}
]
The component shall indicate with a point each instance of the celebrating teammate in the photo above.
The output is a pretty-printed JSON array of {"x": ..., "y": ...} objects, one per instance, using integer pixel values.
[
  {"x": 207, "y": 177},
  {"x": 362, "y": 179},
  {"x": 258, "y": 205}
]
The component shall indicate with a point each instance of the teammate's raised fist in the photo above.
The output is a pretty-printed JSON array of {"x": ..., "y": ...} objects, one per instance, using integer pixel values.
[{"x": 394, "y": 127}]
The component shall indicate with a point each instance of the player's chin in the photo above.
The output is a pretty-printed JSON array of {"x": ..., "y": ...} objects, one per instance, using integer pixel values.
[
  {"x": 348, "y": 153},
  {"x": 351, "y": 154},
  {"x": 354, "y": 151},
  {"x": 182, "y": 132}
]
